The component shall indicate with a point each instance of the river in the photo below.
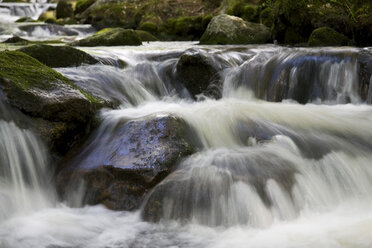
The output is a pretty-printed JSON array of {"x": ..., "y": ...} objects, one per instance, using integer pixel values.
[{"x": 285, "y": 157}]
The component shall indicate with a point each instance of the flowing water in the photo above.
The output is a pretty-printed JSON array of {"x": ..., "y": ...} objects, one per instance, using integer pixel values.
[{"x": 284, "y": 160}]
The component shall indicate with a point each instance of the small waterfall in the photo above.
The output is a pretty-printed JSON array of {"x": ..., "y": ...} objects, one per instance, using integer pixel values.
[
  {"x": 24, "y": 172},
  {"x": 12, "y": 11},
  {"x": 283, "y": 157}
]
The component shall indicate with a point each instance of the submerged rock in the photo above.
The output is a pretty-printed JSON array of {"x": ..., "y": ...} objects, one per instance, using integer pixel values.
[
  {"x": 122, "y": 167},
  {"x": 111, "y": 37},
  {"x": 224, "y": 29},
  {"x": 209, "y": 183},
  {"x": 59, "y": 56},
  {"x": 199, "y": 73},
  {"x": 41, "y": 93},
  {"x": 327, "y": 37}
]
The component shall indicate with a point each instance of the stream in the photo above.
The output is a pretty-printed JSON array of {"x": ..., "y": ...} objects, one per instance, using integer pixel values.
[{"x": 284, "y": 159}]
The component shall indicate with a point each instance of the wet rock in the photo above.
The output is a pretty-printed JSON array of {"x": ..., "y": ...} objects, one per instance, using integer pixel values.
[
  {"x": 199, "y": 73},
  {"x": 65, "y": 112},
  {"x": 111, "y": 37},
  {"x": 122, "y": 167},
  {"x": 64, "y": 9},
  {"x": 365, "y": 73},
  {"x": 203, "y": 186},
  {"x": 25, "y": 19},
  {"x": 225, "y": 29},
  {"x": 59, "y": 56},
  {"x": 325, "y": 36}
]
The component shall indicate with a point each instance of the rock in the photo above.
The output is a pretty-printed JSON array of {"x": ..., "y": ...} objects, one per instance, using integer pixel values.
[
  {"x": 146, "y": 36},
  {"x": 16, "y": 39},
  {"x": 111, "y": 37},
  {"x": 64, "y": 111},
  {"x": 82, "y": 5},
  {"x": 199, "y": 73},
  {"x": 325, "y": 36},
  {"x": 365, "y": 73},
  {"x": 225, "y": 29},
  {"x": 200, "y": 189},
  {"x": 64, "y": 9},
  {"x": 128, "y": 162},
  {"x": 149, "y": 27},
  {"x": 59, "y": 56},
  {"x": 25, "y": 19}
]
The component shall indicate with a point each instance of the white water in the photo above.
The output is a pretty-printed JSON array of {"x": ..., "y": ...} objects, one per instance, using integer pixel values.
[{"x": 327, "y": 147}]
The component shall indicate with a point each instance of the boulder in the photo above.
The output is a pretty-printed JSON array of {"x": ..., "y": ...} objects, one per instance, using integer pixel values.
[
  {"x": 146, "y": 36},
  {"x": 59, "y": 56},
  {"x": 125, "y": 164},
  {"x": 111, "y": 37},
  {"x": 64, "y": 112},
  {"x": 82, "y": 5},
  {"x": 199, "y": 73},
  {"x": 226, "y": 29},
  {"x": 16, "y": 39},
  {"x": 25, "y": 19},
  {"x": 326, "y": 36},
  {"x": 64, "y": 9},
  {"x": 203, "y": 187}
]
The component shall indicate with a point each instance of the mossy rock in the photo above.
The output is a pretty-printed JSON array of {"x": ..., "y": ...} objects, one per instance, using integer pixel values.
[
  {"x": 64, "y": 9},
  {"x": 149, "y": 27},
  {"x": 39, "y": 91},
  {"x": 146, "y": 36},
  {"x": 25, "y": 19},
  {"x": 51, "y": 21},
  {"x": 59, "y": 56},
  {"x": 326, "y": 36},
  {"x": 16, "y": 40},
  {"x": 225, "y": 29},
  {"x": 112, "y": 37},
  {"x": 82, "y": 5},
  {"x": 66, "y": 21},
  {"x": 47, "y": 15}
]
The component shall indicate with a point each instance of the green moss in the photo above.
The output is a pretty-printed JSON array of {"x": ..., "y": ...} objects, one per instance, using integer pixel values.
[
  {"x": 25, "y": 19},
  {"x": 47, "y": 15},
  {"x": 146, "y": 36},
  {"x": 82, "y": 5},
  {"x": 326, "y": 36},
  {"x": 58, "y": 56},
  {"x": 22, "y": 72},
  {"x": 111, "y": 37},
  {"x": 149, "y": 27},
  {"x": 25, "y": 72},
  {"x": 267, "y": 17},
  {"x": 17, "y": 40},
  {"x": 64, "y": 9},
  {"x": 249, "y": 13}
]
